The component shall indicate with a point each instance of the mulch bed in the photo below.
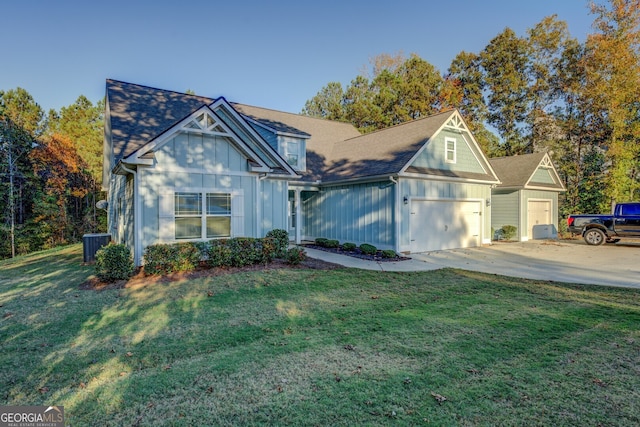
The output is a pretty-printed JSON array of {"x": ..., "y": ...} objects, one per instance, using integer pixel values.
[
  {"x": 357, "y": 253},
  {"x": 139, "y": 279}
]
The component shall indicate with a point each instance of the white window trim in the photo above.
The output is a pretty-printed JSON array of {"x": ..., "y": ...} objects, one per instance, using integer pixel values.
[
  {"x": 289, "y": 151},
  {"x": 167, "y": 214},
  {"x": 203, "y": 215},
  {"x": 447, "y": 140}
]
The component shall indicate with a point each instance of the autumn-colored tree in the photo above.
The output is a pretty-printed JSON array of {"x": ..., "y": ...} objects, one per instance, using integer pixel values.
[
  {"x": 612, "y": 64},
  {"x": 66, "y": 180}
]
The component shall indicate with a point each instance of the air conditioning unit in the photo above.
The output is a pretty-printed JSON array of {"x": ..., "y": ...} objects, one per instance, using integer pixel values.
[{"x": 91, "y": 243}]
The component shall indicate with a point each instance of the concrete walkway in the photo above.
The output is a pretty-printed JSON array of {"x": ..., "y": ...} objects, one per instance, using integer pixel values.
[{"x": 561, "y": 261}]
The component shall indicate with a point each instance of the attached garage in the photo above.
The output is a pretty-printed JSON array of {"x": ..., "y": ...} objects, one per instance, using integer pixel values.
[
  {"x": 527, "y": 198},
  {"x": 445, "y": 224}
]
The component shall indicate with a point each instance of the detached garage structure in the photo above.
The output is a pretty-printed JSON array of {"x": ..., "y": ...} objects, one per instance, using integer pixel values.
[{"x": 527, "y": 198}]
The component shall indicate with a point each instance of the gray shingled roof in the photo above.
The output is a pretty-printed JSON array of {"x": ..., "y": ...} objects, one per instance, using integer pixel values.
[
  {"x": 324, "y": 134},
  {"x": 139, "y": 114},
  {"x": 385, "y": 151},
  {"x": 335, "y": 150},
  {"x": 515, "y": 171}
]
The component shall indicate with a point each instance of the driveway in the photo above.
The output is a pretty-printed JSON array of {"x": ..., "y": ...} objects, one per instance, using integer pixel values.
[
  {"x": 570, "y": 261},
  {"x": 561, "y": 261}
]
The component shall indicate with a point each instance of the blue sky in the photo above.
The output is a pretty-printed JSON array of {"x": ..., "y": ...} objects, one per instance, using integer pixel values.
[{"x": 274, "y": 54}]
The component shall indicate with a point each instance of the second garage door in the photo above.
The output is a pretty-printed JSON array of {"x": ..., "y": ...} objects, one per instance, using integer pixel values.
[
  {"x": 444, "y": 224},
  {"x": 539, "y": 219}
]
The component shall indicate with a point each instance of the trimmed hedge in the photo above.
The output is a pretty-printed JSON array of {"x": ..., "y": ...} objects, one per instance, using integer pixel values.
[
  {"x": 388, "y": 253},
  {"x": 170, "y": 258},
  {"x": 114, "y": 262},
  {"x": 368, "y": 249},
  {"x": 321, "y": 241},
  {"x": 350, "y": 247},
  {"x": 280, "y": 240},
  {"x": 332, "y": 244}
]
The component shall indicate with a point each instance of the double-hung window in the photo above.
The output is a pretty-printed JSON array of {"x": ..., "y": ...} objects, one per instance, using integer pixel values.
[
  {"x": 202, "y": 215},
  {"x": 450, "y": 150}
]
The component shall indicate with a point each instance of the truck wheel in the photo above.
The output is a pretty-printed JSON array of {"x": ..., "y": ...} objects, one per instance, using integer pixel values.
[{"x": 594, "y": 237}]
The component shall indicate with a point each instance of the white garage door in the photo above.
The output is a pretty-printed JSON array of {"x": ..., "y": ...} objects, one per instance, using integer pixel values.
[
  {"x": 437, "y": 225},
  {"x": 539, "y": 219}
]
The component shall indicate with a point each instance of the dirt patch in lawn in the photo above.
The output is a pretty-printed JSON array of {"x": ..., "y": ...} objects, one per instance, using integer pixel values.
[{"x": 140, "y": 279}]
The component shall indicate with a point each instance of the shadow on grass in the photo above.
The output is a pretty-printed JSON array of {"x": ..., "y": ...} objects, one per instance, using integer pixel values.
[{"x": 303, "y": 347}]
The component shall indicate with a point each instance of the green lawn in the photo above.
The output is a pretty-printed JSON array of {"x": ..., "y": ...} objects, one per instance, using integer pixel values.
[{"x": 310, "y": 347}]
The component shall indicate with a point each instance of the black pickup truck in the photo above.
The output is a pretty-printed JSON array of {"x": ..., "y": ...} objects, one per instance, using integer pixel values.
[{"x": 597, "y": 229}]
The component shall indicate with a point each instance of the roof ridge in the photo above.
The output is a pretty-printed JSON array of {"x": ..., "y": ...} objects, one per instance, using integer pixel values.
[
  {"x": 292, "y": 114},
  {"x": 165, "y": 90},
  {"x": 451, "y": 110}
]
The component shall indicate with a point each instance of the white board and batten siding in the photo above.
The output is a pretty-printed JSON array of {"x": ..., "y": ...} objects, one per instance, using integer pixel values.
[{"x": 207, "y": 164}]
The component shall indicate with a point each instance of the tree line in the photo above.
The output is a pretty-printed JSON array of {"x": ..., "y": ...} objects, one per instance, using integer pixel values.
[
  {"x": 543, "y": 90},
  {"x": 50, "y": 172}
]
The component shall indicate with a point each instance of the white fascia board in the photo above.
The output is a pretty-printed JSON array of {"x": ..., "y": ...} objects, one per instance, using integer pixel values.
[
  {"x": 159, "y": 141},
  {"x": 556, "y": 177},
  {"x": 447, "y": 178}
]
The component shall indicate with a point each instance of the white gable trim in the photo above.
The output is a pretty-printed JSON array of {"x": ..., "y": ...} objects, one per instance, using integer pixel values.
[
  {"x": 138, "y": 157},
  {"x": 419, "y": 152},
  {"x": 221, "y": 102},
  {"x": 461, "y": 127},
  {"x": 546, "y": 163}
]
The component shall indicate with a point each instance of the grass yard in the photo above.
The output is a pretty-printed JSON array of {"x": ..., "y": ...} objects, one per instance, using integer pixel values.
[{"x": 311, "y": 347}]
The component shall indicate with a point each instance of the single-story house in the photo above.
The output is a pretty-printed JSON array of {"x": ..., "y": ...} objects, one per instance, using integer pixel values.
[
  {"x": 181, "y": 167},
  {"x": 527, "y": 196}
]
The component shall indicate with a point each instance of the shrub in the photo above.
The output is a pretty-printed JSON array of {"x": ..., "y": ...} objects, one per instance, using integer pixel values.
[
  {"x": 169, "y": 258},
  {"x": 281, "y": 241},
  {"x": 243, "y": 251},
  {"x": 249, "y": 251},
  {"x": 155, "y": 258},
  {"x": 368, "y": 249},
  {"x": 295, "y": 256},
  {"x": 114, "y": 262},
  {"x": 219, "y": 254},
  {"x": 509, "y": 231},
  {"x": 350, "y": 247},
  {"x": 321, "y": 241},
  {"x": 187, "y": 257},
  {"x": 388, "y": 253},
  {"x": 332, "y": 243}
]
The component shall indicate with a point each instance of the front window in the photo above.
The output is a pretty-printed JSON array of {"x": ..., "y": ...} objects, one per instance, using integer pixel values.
[{"x": 202, "y": 215}]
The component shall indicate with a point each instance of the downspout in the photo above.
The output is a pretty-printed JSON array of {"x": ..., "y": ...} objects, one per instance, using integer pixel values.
[
  {"x": 136, "y": 216},
  {"x": 396, "y": 214},
  {"x": 259, "y": 188}
]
